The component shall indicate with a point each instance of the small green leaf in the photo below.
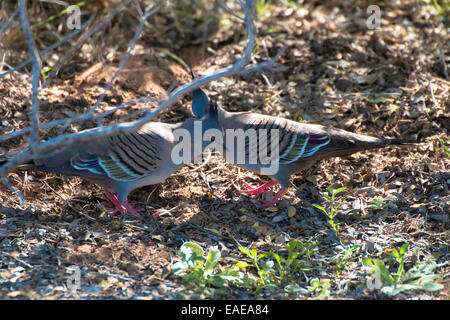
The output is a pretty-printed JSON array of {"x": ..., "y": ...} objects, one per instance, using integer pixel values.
[
  {"x": 179, "y": 267},
  {"x": 320, "y": 208},
  {"x": 212, "y": 259},
  {"x": 404, "y": 248},
  {"x": 192, "y": 252},
  {"x": 217, "y": 281},
  {"x": 263, "y": 255},
  {"x": 277, "y": 257},
  {"x": 314, "y": 283},
  {"x": 367, "y": 261},
  {"x": 432, "y": 286},
  {"x": 242, "y": 264},
  {"x": 384, "y": 272},
  {"x": 339, "y": 190},
  {"x": 395, "y": 253},
  {"x": 267, "y": 265},
  {"x": 245, "y": 251},
  {"x": 231, "y": 274},
  {"x": 294, "y": 244},
  {"x": 294, "y": 289}
]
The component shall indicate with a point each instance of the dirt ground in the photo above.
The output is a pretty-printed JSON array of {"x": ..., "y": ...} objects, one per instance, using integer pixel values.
[{"x": 391, "y": 81}]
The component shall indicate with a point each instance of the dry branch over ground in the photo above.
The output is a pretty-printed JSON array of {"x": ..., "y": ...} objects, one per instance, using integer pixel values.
[{"x": 390, "y": 81}]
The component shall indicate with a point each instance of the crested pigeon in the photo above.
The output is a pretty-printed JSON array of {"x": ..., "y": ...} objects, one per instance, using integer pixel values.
[
  {"x": 280, "y": 147},
  {"x": 123, "y": 162}
]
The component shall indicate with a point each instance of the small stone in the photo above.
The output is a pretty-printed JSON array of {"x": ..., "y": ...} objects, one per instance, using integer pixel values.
[
  {"x": 283, "y": 204},
  {"x": 291, "y": 211},
  {"x": 162, "y": 288}
]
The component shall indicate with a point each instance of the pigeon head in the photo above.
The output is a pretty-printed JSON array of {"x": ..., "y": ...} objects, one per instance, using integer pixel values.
[
  {"x": 206, "y": 110},
  {"x": 200, "y": 103}
]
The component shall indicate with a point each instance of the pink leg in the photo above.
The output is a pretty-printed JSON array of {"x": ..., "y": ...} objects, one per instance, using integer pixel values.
[
  {"x": 275, "y": 199},
  {"x": 259, "y": 190},
  {"x": 131, "y": 210},
  {"x": 118, "y": 206},
  {"x": 122, "y": 207}
]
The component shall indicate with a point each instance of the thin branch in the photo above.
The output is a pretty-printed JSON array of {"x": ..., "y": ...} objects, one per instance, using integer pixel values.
[
  {"x": 13, "y": 190},
  {"x": 87, "y": 35},
  {"x": 79, "y": 118},
  {"x": 59, "y": 141},
  {"x": 34, "y": 114},
  {"x": 442, "y": 57},
  {"x": 51, "y": 47},
  {"x": 228, "y": 9},
  {"x": 147, "y": 14},
  {"x": 89, "y": 115},
  {"x": 266, "y": 67},
  {"x": 10, "y": 20}
]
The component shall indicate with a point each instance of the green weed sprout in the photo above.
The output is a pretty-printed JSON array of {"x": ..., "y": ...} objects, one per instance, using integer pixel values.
[
  {"x": 199, "y": 269},
  {"x": 332, "y": 212},
  {"x": 273, "y": 269},
  {"x": 419, "y": 277}
]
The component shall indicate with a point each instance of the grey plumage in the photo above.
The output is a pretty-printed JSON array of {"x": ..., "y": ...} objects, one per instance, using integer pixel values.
[
  {"x": 299, "y": 145},
  {"x": 125, "y": 161}
]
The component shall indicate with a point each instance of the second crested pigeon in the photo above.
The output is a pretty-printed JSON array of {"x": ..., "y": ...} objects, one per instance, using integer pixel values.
[
  {"x": 280, "y": 147},
  {"x": 123, "y": 162}
]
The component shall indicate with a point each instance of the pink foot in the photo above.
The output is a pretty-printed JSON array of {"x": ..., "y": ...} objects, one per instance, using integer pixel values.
[
  {"x": 131, "y": 210},
  {"x": 123, "y": 207},
  {"x": 275, "y": 199},
  {"x": 257, "y": 191}
]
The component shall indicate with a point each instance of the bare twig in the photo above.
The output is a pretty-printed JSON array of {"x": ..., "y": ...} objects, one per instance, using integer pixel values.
[
  {"x": 13, "y": 190},
  {"x": 80, "y": 212},
  {"x": 228, "y": 9},
  {"x": 82, "y": 39},
  {"x": 51, "y": 47},
  {"x": 55, "y": 70},
  {"x": 7, "y": 23},
  {"x": 147, "y": 14},
  {"x": 17, "y": 259},
  {"x": 34, "y": 114},
  {"x": 79, "y": 118},
  {"x": 267, "y": 66},
  {"x": 442, "y": 57},
  {"x": 61, "y": 140}
]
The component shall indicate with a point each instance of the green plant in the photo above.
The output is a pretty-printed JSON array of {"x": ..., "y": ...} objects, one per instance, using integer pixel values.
[
  {"x": 331, "y": 213},
  {"x": 442, "y": 7},
  {"x": 419, "y": 277},
  {"x": 281, "y": 270},
  {"x": 291, "y": 4},
  {"x": 262, "y": 8},
  {"x": 377, "y": 203},
  {"x": 199, "y": 269},
  {"x": 286, "y": 267},
  {"x": 319, "y": 288},
  {"x": 445, "y": 147},
  {"x": 341, "y": 259},
  {"x": 264, "y": 268},
  {"x": 53, "y": 17},
  {"x": 45, "y": 71}
]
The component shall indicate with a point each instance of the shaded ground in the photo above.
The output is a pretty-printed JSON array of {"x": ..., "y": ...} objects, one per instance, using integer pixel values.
[{"x": 389, "y": 81}]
